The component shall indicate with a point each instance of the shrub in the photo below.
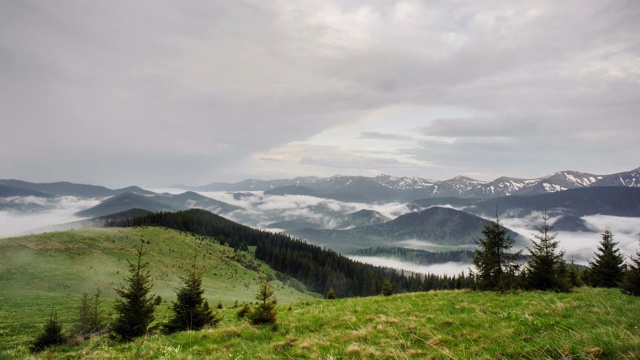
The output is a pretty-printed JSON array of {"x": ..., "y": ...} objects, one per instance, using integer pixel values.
[
  {"x": 52, "y": 334},
  {"x": 264, "y": 312}
]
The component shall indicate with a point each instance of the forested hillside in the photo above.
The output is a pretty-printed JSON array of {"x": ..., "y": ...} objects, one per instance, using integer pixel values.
[{"x": 318, "y": 268}]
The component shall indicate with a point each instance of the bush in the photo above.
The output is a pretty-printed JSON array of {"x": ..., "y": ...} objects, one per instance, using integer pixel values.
[
  {"x": 264, "y": 312},
  {"x": 245, "y": 309},
  {"x": 331, "y": 294},
  {"x": 52, "y": 334}
]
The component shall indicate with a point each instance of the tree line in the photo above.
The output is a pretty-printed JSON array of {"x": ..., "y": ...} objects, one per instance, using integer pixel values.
[
  {"x": 318, "y": 268},
  {"x": 498, "y": 267}
]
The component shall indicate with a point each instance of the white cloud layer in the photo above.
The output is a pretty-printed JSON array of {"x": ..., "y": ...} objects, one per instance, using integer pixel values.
[
  {"x": 122, "y": 93},
  {"x": 449, "y": 268},
  {"x": 53, "y": 211}
]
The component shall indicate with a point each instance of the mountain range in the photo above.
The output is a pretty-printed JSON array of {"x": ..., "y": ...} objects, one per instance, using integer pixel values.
[
  {"x": 391, "y": 188},
  {"x": 346, "y": 213}
]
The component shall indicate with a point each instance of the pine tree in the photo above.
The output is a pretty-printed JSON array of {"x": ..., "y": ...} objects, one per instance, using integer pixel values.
[
  {"x": 135, "y": 309},
  {"x": 52, "y": 334},
  {"x": 546, "y": 268},
  {"x": 631, "y": 282},
  {"x": 574, "y": 275},
  {"x": 387, "y": 288},
  {"x": 264, "y": 312},
  {"x": 496, "y": 266},
  {"x": 90, "y": 319},
  {"x": 191, "y": 311},
  {"x": 607, "y": 269}
]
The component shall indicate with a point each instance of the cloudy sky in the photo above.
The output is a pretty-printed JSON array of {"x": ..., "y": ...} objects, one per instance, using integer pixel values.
[{"x": 162, "y": 92}]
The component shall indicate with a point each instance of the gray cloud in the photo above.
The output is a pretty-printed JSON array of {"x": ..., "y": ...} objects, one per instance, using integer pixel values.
[
  {"x": 198, "y": 91},
  {"x": 381, "y": 136}
]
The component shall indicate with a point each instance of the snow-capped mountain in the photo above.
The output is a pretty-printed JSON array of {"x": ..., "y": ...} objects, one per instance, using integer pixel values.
[{"x": 392, "y": 188}]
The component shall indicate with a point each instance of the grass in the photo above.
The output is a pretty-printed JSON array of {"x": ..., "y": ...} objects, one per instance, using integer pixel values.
[
  {"x": 42, "y": 272},
  {"x": 585, "y": 324}
]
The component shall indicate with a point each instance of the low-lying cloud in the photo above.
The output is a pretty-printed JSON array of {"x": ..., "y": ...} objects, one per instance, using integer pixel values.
[
  {"x": 581, "y": 246},
  {"x": 262, "y": 210},
  {"x": 47, "y": 212},
  {"x": 448, "y": 268}
]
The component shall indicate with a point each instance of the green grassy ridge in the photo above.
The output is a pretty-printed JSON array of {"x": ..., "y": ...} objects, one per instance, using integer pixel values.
[
  {"x": 585, "y": 324},
  {"x": 52, "y": 270}
]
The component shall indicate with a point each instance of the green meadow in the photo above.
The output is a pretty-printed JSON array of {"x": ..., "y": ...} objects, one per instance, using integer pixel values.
[{"x": 48, "y": 271}]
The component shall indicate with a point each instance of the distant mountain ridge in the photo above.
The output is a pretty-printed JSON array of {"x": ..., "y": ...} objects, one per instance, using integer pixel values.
[
  {"x": 156, "y": 203},
  {"x": 63, "y": 188},
  {"x": 391, "y": 188},
  {"x": 437, "y": 226}
]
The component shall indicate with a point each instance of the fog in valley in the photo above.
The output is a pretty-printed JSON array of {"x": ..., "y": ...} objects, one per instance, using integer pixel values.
[
  {"x": 42, "y": 212},
  {"x": 262, "y": 210}
]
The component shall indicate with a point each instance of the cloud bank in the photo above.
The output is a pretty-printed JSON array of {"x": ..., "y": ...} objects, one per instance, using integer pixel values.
[{"x": 198, "y": 91}]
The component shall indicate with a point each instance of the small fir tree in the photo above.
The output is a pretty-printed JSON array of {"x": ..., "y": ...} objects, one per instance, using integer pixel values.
[
  {"x": 574, "y": 276},
  {"x": 546, "y": 268},
  {"x": 90, "y": 319},
  {"x": 495, "y": 264},
  {"x": 52, "y": 334},
  {"x": 135, "y": 309},
  {"x": 631, "y": 281},
  {"x": 331, "y": 294},
  {"x": 387, "y": 287},
  {"x": 191, "y": 311},
  {"x": 607, "y": 269},
  {"x": 264, "y": 312}
]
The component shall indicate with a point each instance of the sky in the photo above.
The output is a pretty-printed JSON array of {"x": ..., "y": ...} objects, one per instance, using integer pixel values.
[{"x": 156, "y": 93}]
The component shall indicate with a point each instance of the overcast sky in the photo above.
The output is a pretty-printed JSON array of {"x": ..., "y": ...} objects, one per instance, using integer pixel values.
[{"x": 156, "y": 93}]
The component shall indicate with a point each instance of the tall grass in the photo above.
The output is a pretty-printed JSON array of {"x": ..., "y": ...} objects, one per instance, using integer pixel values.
[{"x": 585, "y": 324}]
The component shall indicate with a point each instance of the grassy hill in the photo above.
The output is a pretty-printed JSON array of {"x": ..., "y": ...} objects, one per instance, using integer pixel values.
[
  {"x": 53, "y": 270},
  {"x": 586, "y": 324}
]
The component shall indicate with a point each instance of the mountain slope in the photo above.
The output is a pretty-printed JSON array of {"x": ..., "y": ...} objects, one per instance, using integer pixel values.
[
  {"x": 11, "y": 191},
  {"x": 157, "y": 202},
  {"x": 124, "y": 202},
  {"x": 604, "y": 200},
  {"x": 436, "y": 225}
]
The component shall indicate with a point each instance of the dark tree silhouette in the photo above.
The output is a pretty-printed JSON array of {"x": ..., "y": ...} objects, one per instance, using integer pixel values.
[
  {"x": 607, "y": 269},
  {"x": 135, "y": 309},
  {"x": 496, "y": 266},
  {"x": 631, "y": 282},
  {"x": 546, "y": 268}
]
